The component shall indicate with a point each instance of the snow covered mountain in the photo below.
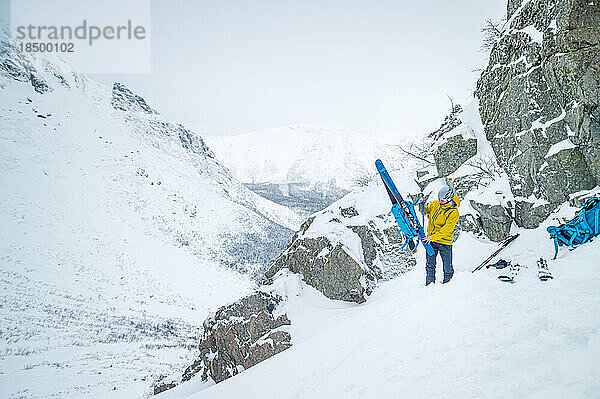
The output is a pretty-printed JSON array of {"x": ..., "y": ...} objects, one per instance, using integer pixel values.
[
  {"x": 304, "y": 167},
  {"x": 120, "y": 232}
]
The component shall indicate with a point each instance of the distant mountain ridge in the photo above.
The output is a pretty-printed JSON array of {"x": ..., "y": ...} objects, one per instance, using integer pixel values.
[{"x": 303, "y": 166}]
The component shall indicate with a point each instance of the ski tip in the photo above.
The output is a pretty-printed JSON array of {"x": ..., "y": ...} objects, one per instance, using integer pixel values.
[{"x": 378, "y": 164}]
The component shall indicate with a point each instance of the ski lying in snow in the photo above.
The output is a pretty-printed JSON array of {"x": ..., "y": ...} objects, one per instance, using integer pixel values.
[
  {"x": 511, "y": 275},
  {"x": 503, "y": 245},
  {"x": 543, "y": 271},
  {"x": 403, "y": 212}
]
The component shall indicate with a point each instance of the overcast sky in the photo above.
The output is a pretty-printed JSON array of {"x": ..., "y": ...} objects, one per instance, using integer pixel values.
[{"x": 377, "y": 67}]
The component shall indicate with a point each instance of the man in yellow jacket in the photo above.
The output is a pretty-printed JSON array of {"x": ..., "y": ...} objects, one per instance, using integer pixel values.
[{"x": 442, "y": 215}]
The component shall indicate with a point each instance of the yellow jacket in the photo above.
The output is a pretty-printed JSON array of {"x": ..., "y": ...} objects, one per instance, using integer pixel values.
[{"x": 442, "y": 219}]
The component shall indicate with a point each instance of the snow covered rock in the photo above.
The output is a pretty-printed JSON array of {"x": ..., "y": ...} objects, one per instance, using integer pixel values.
[
  {"x": 240, "y": 335},
  {"x": 124, "y": 99},
  {"x": 578, "y": 199},
  {"x": 539, "y": 101},
  {"x": 328, "y": 268},
  {"x": 464, "y": 184},
  {"x": 494, "y": 220},
  {"x": 450, "y": 122},
  {"x": 192, "y": 142},
  {"x": 18, "y": 66},
  {"x": 452, "y": 145},
  {"x": 343, "y": 253}
]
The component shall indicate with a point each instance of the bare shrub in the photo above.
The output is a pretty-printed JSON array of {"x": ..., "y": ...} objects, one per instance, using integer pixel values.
[
  {"x": 492, "y": 31},
  {"x": 486, "y": 167}
]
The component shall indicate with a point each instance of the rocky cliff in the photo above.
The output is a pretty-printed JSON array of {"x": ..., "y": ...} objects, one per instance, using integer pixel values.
[
  {"x": 343, "y": 255},
  {"x": 539, "y": 102},
  {"x": 534, "y": 140}
]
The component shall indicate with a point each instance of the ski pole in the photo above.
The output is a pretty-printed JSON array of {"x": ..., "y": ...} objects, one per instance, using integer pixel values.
[{"x": 503, "y": 245}]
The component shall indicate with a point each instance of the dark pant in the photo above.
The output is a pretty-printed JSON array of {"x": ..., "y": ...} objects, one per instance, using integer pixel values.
[{"x": 445, "y": 252}]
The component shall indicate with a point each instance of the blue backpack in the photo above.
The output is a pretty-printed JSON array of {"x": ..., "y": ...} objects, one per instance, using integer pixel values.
[
  {"x": 405, "y": 227},
  {"x": 580, "y": 230}
]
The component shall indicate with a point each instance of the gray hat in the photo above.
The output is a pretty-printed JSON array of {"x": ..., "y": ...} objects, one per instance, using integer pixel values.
[{"x": 446, "y": 194}]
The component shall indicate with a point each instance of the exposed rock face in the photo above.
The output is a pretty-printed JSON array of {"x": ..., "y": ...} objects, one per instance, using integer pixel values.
[
  {"x": 124, "y": 99},
  {"x": 332, "y": 265},
  {"x": 449, "y": 146},
  {"x": 451, "y": 121},
  {"x": 539, "y": 103},
  {"x": 453, "y": 152},
  {"x": 18, "y": 66},
  {"x": 240, "y": 335},
  {"x": 383, "y": 251},
  {"x": 470, "y": 223},
  {"x": 349, "y": 212},
  {"x": 328, "y": 268},
  {"x": 494, "y": 220},
  {"x": 193, "y": 142}
]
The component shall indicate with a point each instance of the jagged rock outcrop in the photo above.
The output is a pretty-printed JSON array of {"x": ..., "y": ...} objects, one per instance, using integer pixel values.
[
  {"x": 124, "y": 99},
  {"x": 539, "y": 102},
  {"x": 346, "y": 262},
  {"x": 328, "y": 267},
  {"x": 192, "y": 142},
  {"x": 448, "y": 147},
  {"x": 494, "y": 220},
  {"x": 450, "y": 122},
  {"x": 453, "y": 152},
  {"x": 19, "y": 65},
  {"x": 451, "y": 146},
  {"x": 238, "y": 336}
]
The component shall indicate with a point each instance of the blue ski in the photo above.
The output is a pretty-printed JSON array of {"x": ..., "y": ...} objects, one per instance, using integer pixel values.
[{"x": 403, "y": 211}]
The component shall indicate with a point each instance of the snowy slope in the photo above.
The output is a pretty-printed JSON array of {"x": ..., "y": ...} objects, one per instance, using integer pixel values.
[
  {"x": 475, "y": 337},
  {"x": 312, "y": 155},
  {"x": 120, "y": 232}
]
